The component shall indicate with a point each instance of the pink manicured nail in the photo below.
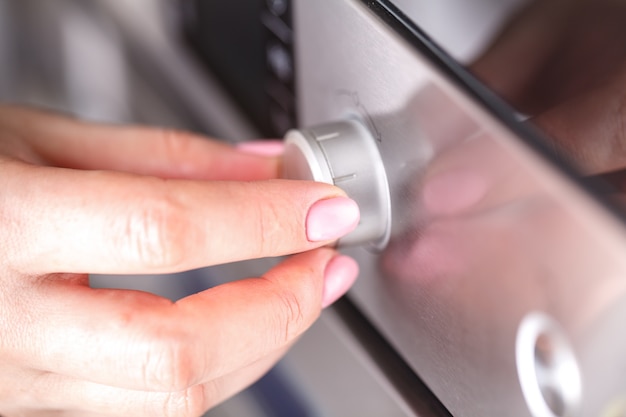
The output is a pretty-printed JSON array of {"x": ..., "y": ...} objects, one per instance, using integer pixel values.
[
  {"x": 340, "y": 274},
  {"x": 262, "y": 147},
  {"x": 331, "y": 219}
]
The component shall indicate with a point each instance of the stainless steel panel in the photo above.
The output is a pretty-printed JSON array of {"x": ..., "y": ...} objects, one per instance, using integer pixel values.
[{"x": 485, "y": 232}]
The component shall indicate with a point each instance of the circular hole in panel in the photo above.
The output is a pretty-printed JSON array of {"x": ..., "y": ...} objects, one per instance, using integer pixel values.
[
  {"x": 547, "y": 368},
  {"x": 277, "y": 7}
]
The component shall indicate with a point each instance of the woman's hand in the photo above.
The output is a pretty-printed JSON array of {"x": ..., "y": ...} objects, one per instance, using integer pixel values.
[{"x": 77, "y": 198}]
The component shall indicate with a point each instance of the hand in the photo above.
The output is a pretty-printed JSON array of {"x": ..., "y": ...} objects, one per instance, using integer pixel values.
[{"x": 79, "y": 198}]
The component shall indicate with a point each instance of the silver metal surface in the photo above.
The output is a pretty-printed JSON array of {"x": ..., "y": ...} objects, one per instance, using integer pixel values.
[
  {"x": 344, "y": 153},
  {"x": 484, "y": 231},
  {"x": 547, "y": 368}
]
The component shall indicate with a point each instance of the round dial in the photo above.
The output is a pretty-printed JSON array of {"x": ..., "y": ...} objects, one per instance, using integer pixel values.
[{"x": 344, "y": 153}]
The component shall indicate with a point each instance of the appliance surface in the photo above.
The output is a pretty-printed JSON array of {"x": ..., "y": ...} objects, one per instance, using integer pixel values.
[{"x": 503, "y": 283}]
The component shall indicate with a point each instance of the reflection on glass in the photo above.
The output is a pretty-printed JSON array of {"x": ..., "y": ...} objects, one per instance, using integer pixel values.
[{"x": 562, "y": 63}]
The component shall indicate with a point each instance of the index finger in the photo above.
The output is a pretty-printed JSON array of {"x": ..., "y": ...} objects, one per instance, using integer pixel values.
[{"x": 58, "y": 220}]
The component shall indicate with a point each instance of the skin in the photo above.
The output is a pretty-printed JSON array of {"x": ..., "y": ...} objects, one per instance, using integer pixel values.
[{"x": 79, "y": 198}]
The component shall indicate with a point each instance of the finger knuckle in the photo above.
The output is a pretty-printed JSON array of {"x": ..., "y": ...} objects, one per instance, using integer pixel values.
[
  {"x": 186, "y": 403},
  {"x": 293, "y": 315},
  {"x": 267, "y": 224},
  {"x": 169, "y": 365},
  {"x": 274, "y": 230},
  {"x": 153, "y": 234},
  {"x": 174, "y": 142}
]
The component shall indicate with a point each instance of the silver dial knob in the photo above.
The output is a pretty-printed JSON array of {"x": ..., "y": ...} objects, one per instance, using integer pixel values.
[{"x": 345, "y": 154}]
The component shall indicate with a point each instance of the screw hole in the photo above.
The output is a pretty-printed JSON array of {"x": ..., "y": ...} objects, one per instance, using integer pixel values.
[{"x": 547, "y": 368}]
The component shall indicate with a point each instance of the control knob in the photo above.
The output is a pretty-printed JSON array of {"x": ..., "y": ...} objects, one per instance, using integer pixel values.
[{"x": 345, "y": 154}]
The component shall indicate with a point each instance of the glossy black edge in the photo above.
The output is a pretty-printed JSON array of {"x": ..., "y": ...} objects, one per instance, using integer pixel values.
[
  {"x": 403, "y": 379},
  {"x": 489, "y": 101}
]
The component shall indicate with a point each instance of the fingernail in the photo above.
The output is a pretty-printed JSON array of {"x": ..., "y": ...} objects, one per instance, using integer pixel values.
[
  {"x": 340, "y": 274},
  {"x": 331, "y": 219},
  {"x": 262, "y": 147}
]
